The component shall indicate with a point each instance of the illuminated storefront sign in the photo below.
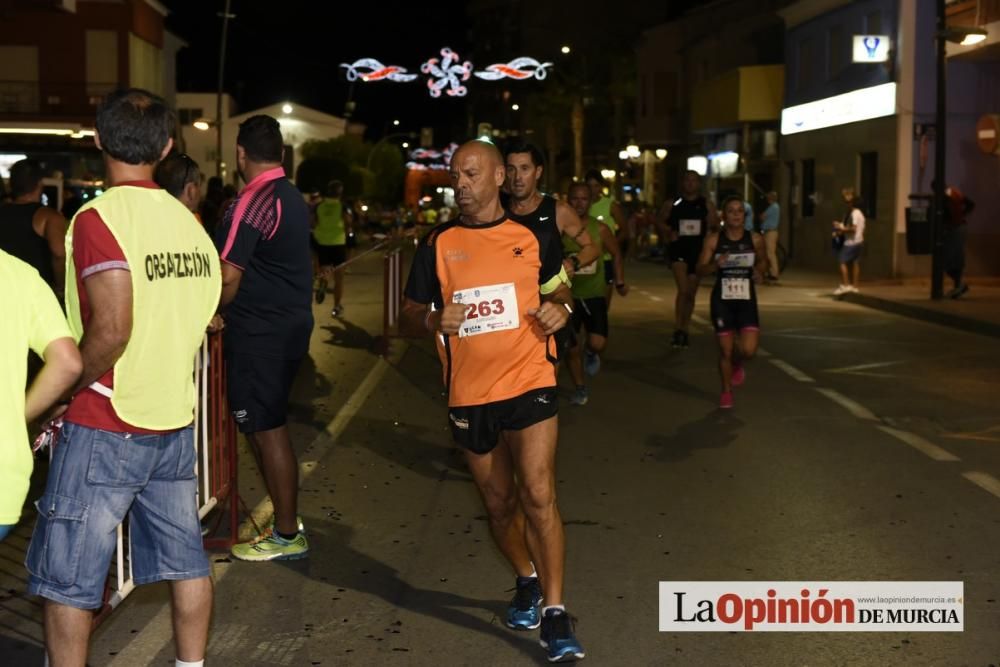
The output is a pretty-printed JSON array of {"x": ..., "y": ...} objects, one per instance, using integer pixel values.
[
  {"x": 698, "y": 164},
  {"x": 447, "y": 74},
  {"x": 851, "y": 107},
  {"x": 871, "y": 48}
]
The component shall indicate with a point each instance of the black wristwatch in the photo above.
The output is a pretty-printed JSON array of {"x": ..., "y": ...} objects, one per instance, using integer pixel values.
[{"x": 575, "y": 261}]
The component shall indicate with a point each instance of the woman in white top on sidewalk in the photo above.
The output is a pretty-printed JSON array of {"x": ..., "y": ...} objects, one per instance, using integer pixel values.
[{"x": 852, "y": 230}]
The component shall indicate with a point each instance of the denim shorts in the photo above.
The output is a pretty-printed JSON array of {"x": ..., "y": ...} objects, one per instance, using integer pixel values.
[{"x": 96, "y": 479}]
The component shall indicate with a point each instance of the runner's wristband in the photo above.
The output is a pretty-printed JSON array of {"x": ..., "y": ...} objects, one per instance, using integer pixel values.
[{"x": 568, "y": 309}]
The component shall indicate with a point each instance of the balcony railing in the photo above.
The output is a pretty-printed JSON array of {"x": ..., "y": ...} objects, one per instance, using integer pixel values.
[{"x": 41, "y": 99}]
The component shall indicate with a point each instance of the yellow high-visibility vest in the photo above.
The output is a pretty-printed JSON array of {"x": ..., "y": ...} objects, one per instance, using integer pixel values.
[{"x": 176, "y": 283}]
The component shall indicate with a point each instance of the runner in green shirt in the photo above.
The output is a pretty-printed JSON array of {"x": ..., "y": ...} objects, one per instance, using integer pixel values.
[
  {"x": 330, "y": 230},
  {"x": 590, "y": 309}
]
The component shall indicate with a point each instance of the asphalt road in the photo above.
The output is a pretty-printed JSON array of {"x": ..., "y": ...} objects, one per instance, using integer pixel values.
[{"x": 863, "y": 446}]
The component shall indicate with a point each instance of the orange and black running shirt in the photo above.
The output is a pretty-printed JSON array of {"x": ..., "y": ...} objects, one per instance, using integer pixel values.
[{"x": 499, "y": 271}]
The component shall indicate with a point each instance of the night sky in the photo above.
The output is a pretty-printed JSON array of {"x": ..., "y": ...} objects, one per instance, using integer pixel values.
[{"x": 292, "y": 49}]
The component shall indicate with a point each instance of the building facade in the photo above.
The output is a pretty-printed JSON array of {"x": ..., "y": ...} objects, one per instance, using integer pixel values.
[
  {"x": 710, "y": 92},
  {"x": 59, "y": 58},
  {"x": 859, "y": 98},
  {"x": 299, "y": 124}
]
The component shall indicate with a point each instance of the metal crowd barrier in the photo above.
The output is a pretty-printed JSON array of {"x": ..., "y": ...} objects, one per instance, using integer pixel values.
[
  {"x": 215, "y": 467},
  {"x": 392, "y": 296}
]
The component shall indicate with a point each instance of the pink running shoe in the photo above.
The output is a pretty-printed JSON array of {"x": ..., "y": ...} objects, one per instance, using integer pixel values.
[
  {"x": 726, "y": 400},
  {"x": 739, "y": 375}
]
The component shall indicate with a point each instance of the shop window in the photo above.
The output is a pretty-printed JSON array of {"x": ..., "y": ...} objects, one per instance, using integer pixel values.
[
  {"x": 836, "y": 52},
  {"x": 868, "y": 182},
  {"x": 806, "y": 64},
  {"x": 808, "y": 188},
  {"x": 873, "y": 23}
]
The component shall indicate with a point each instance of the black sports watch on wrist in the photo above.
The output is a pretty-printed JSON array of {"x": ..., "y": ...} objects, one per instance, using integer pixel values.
[{"x": 575, "y": 261}]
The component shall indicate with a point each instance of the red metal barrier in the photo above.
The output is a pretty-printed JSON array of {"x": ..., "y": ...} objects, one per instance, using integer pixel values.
[
  {"x": 392, "y": 296},
  {"x": 217, "y": 449}
]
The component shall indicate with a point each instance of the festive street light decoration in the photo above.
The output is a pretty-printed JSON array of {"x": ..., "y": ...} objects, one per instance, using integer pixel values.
[
  {"x": 428, "y": 158},
  {"x": 447, "y": 74},
  {"x": 519, "y": 68},
  {"x": 369, "y": 69}
]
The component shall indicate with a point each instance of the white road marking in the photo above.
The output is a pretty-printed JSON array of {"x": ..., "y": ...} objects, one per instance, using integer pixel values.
[
  {"x": 655, "y": 298},
  {"x": 762, "y": 352},
  {"x": 700, "y": 320},
  {"x": 984, "y": 481},
  {"x": 159, "y": 632},
  {"x": 863, "y": 367},
  {"x": 321, "y": 443},
  {"x": 920, "y": 444},
  {"x": 791, "y": 370},
  {"x": 835, "y": 339},
  {"x": 855, "y": 408}
]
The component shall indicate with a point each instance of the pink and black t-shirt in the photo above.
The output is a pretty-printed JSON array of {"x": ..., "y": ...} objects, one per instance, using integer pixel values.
[{"x": 265, "y": 234}]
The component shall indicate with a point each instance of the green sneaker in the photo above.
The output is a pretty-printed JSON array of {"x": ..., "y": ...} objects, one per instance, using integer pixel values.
[{"x": 268, "y": 546}]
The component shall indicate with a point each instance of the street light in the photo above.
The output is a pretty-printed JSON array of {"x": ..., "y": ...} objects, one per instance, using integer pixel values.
[
  {"x": 515, "y": 107},
  {"x": 565, "y": 50},
  {"x": 633, "y": 151},
  {"x": 405, "y": 144},
  {"x": 395, "y": 123},
  {"x": 202, "y": 124},
  {"x": 286, "y": 108},
  {"x": 964, "y": 36},
  {"x": 661, "y": 153}
]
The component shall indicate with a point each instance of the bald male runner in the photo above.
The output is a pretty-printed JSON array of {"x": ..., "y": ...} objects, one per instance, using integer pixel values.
[{"x": 488, "y": 288}]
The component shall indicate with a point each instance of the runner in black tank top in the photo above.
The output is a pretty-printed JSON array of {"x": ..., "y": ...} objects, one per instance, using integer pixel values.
[
  {"x": 529, "y": 206},
  {"x": 738, "y": 259},
  {"x": 685, "y": 222},
  {"x": 18, "y": 238}
]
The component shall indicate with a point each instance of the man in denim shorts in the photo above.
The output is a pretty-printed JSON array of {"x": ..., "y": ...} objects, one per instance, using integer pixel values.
[{"x": 142, "y": 283}]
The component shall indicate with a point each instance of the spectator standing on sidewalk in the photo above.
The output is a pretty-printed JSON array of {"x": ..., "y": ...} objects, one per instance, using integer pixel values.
[
  {"x": 143, "y": 285},
  {"x": 179, "y": 175},
  {"x": 267, "y": 293},
  {"x": 770, "y": 219},
  {"x": 33, "y": 233},
  {"x": 852, "y": 231},
  {"x": 33, "y": 320},
  {"x": 957, "y": 208}
]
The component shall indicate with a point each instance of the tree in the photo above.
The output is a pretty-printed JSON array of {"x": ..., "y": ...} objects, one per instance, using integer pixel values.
[{"x": 367, "y": 172}]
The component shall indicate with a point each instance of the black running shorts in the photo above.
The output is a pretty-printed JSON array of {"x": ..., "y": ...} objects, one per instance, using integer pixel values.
[
  {"x": 687, "y": 250},
  {"x": 478, "y": 427},
  {"x": 258, "y": 388},
  {"x": 591, "y": 313},
  {"x": 733, "y": 315},
  {"x": 330, "y": 255}
]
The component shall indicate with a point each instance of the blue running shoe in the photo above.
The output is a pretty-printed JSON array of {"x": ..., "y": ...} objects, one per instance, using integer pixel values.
[
  {"x": 523, "y": 612},
  {"x": 558, "y": 638},
  {"x": 591, "y": 363}
]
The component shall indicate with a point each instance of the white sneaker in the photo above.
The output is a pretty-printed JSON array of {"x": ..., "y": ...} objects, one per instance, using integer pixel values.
[
  {"x": 853, "y": 289},
  {"x": 843, "y": 289}
]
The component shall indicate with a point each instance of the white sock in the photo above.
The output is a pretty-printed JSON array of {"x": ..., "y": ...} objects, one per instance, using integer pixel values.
[
  {"x": 560, "y": 607},
  {"x": 181, "y": 663}
]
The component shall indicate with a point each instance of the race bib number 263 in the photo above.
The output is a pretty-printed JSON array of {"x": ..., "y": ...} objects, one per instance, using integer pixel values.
[{"x": 488, "y": 309}]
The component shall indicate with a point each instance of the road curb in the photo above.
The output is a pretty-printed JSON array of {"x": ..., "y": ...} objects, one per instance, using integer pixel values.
[{"x": 926, "y": 314}]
